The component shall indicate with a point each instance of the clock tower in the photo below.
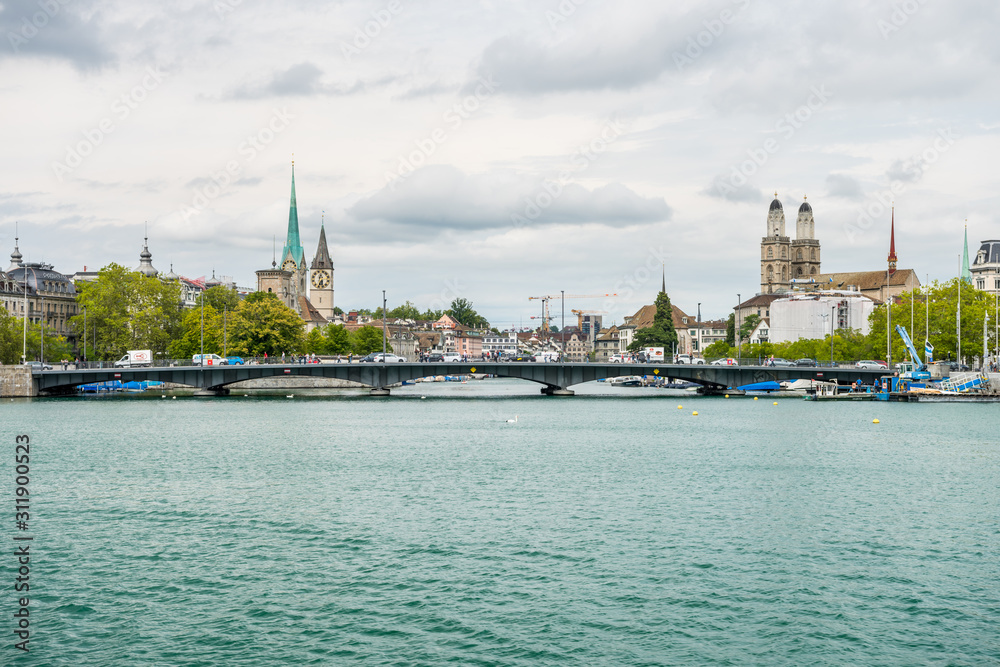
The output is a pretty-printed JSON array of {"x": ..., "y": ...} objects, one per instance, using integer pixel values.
[{"x": 321, "y": 278}]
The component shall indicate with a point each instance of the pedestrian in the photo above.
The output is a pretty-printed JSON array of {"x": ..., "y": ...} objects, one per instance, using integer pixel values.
[{"x": 282, "y": 357}]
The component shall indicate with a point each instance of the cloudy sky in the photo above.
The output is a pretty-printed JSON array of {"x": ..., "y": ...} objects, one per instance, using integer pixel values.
[{"x": 497, "y": 150}]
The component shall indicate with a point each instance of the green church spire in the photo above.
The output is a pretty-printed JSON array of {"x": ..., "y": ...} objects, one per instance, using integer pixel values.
[{"x": 293, "y": 246}]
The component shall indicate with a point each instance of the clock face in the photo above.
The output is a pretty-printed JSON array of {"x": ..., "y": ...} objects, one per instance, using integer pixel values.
[
  {"x": 320, "y": 279},
  {"x": 289, "y": 265}
]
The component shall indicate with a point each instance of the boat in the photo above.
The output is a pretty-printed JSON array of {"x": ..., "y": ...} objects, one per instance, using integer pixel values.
[{"x": 626, "y": 381}]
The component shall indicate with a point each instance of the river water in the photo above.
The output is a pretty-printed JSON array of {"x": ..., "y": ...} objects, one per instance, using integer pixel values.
[{"x": 424, "y": 529}]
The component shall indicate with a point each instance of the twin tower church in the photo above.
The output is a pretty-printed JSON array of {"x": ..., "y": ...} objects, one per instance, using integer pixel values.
[
  {"x": 783, "y": 261},
  {"x": 306, "y": 289}
]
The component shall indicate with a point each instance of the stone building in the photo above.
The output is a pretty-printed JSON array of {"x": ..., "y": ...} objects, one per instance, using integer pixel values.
[
  {"x": 50, "y": 296},
  {"x": 783, "y": 260},
  {"x": 986, "y": 267}
]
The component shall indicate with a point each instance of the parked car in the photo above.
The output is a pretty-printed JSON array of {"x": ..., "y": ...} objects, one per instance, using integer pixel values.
[
  {"x": 955, "y": 366},
  {"x": 727, "y": 361},
  {"x": 38, "y": 366},
  {"x": 208, "y": 360},
  {"x": 452, "y": 357},
  {"x": 805, "y": 362},
  {"x": 377, "y": 358},
  {"x": 778, "y": 361},
  {"x": 235, "y": 361},
  {"x": 435, "y": 357},
  {"x": 871, "y": 364},
  {"x": 682, "y": 359}
]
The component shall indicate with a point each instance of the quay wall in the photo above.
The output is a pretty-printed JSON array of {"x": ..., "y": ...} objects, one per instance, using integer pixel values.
[{"x": 16, "y": 382}]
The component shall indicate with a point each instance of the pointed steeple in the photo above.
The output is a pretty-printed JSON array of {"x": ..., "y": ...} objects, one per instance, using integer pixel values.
[
  {"x": 892, "y": 244},
  {"x": 322, "y": 259},
  {"x": 146, "y": 260},
  {"x": 15, "y": 257},
  {"x": 966, "y": 273},
  {"x": 293, "y": 246}
]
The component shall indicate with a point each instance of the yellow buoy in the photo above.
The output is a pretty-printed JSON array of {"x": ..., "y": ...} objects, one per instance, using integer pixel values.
[
  {"x": 680, "y": 407},
  {"x": 775, "y": 402},
  {"x": 756, "y": 397},
  {"x": 695, "y": 413},
  {"x": 727, "y": 395},
  {"x": 875, "y": 421}
]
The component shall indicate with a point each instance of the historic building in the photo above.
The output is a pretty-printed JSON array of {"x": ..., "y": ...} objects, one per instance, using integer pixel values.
[
  {"x": 782, "y": 260},
  {"x": 985, "y": 268},
  {"x": 291, "y": 279},
  {"x": 49, "y": 296}
]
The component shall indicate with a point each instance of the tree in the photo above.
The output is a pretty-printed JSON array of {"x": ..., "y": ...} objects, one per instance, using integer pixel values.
[
  {"x": 220, "y": 297},
  {"x": 750, "y": 323},
  {"x": 718, "y": 349},
  {"x": 315, "y": 342},
  {"x": 10, "y": 338},
  {"x": 462, "y": 311},
  {"x": 129, "y": 311},
  {"x": 405, "y": 312},
  {"x": 368, "y": 340},
  {"x": 188, "y": 343},
  {"x": 338, "y": 339},
  {"x": 262, "y": 323},
  {"x": 661, "y": 333},
  {"x": 431, "y": 315},
  {"x": 731, "y": 330}
]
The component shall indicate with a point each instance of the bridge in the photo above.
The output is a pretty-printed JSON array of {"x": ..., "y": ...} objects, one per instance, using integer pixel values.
[{"x": 555, "y": 378}]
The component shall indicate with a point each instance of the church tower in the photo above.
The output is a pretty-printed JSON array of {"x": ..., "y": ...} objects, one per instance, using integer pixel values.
[
  {"x": 775, "y": 264},
  {"x": 293, "y": 256},
  {"x": 805, "y": 247},
  {"x": 321, "y": 277}
]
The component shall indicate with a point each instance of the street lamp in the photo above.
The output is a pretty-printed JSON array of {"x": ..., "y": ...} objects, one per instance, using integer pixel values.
[
  {"x": 736, "y": 327},
  {"x": 383, "y": 326},
  {"x": 562, "y": 330},
  {"x": 203, "y": 327},
  {"x": 225, "y": 348},
  {"x": 41, "y": 333},
  {"x": 84, "y": 334},
  {"x": 833, "y": 314}
]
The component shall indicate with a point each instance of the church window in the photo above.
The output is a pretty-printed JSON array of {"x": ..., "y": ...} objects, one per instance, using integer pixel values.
[
  {"x": 770, "y": 274},
  {"x": 813, "y": 271},
  {"x": 269, "y": 289},
  {"x": 770, "y": 253},
  {"x": 814, "y": 254},
  {"x": 798, "y": 256},
  {"x": 784, "y": 274},
  {"x": 783, "y": 255},
  {"x": 798, "y": 271}
]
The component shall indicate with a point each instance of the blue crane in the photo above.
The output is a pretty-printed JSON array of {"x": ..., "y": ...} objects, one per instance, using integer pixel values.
[{"x": 919, "y": 371}]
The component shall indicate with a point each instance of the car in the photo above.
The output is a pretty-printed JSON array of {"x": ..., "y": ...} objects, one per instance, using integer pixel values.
[
  {"x": 377, "y": 358},
  {"x": 235, "y": 361},
  {"x": 871, "y": 364},
  {"x": 805, "y": 362},
  {"x": 208, "y": 360},
  {"x": 955, "y": 366},
  {"x": 37, "y": 366},
  {"x": 435, "y": 357},
  {"x": 451, "y": 357},
  {"x": 682, "y": 359},
  {"x": 523, "y": 357},
  {"x": 778, "y": 361},
  {"x": 726, "y": 361}
]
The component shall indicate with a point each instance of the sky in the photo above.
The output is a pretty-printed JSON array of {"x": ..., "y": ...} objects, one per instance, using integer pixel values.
[{"x": 499, "y": 150}]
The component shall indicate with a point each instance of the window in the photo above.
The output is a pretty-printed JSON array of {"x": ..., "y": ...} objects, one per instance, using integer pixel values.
[
  {"x": 981, "y": 284},
  {"x": 770, "y": 253},
  {"x": 798, "y": 255},
  {"x": 814, "y": 254}
]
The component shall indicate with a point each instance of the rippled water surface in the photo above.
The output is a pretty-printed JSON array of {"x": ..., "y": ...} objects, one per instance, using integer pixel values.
[{"x": 424, "y": 531}]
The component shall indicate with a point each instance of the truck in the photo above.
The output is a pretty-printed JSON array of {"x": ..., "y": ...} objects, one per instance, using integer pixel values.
[
  {"x": 654, "y": 355},
  {"x": 135, "y": 359}
]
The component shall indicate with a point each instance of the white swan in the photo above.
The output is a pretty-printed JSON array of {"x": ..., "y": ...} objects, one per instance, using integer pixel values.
[
  {"x": 290, "y": 396},
  {"x": 512, "y": 421}
]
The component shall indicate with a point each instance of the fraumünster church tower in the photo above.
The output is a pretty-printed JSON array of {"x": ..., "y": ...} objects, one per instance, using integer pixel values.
[{"x": 291, "y": 279}]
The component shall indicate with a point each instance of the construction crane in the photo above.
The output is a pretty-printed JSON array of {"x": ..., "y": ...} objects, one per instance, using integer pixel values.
[{"x": 546, "y": 318}]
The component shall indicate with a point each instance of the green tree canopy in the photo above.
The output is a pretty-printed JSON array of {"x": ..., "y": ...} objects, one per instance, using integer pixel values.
[
  {"x": 661, "y": 333},
  {"x": 368, "y": 340},
  {"x": 750, "y": 323},
  {"x": 220, "y": 298},
  {"x": 462, "y": 311},
  {"x": 731, "y": 330},
  {"x": 128, "y": 311},
  {"x": 262, "y": 323}
]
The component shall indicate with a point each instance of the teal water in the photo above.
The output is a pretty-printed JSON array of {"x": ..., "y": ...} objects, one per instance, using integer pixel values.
[{"x": 595, "y": 531}]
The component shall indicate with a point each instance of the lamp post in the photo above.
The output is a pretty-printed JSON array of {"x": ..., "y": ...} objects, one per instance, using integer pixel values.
[
  {"x": 41, "y": 333},
  {"x": 736, "y": 327},
  {"x": 958, "y": 317},
  {"x": 202, "y": 328},
  {"x": 84, "y": 334},
  {"x": 888, "y": 322},
  {"x": 833, "y": 315},
  {"x": 562, "y": 329},
  {"x": 225, "y": 347},
  {"x": 383, "y": 326},
  {"x": 24, "y": 351}
]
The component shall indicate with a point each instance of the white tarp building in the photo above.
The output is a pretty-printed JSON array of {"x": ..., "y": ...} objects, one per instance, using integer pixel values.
[{"x": 809, "y": 315}]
